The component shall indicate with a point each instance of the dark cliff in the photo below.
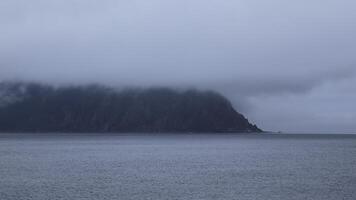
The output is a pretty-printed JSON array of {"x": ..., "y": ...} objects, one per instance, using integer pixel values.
[{"x": 32, "y": 107}]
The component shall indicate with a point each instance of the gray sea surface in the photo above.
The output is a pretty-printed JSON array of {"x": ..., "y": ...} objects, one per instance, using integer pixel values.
[{"x": 177, "y": 166}]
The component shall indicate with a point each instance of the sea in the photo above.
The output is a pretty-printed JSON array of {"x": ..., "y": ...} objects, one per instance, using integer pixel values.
[{"x": 177, "y": 166}]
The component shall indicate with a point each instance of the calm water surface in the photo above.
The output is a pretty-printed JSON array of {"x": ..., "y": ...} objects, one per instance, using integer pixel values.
[{"x": 315, "y": 167}]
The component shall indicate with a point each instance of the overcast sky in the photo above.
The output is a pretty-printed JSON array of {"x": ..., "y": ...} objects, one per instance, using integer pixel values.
[{"x": 286, "y": 65}]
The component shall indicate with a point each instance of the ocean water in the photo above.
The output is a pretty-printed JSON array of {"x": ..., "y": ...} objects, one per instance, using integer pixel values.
[{"x": 256, "y": 167}]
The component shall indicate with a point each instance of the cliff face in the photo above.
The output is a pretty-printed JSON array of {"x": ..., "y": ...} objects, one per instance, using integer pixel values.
[{"x": 30, "y": 107}]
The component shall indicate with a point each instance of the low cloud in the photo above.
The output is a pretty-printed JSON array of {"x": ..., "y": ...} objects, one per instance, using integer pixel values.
[{"x": 244, "y": 49}]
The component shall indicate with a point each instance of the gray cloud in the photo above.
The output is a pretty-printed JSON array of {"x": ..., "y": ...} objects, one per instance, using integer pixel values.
[
  {"x": 284, "y": 84},
  {"x": 249, "y": 50}
]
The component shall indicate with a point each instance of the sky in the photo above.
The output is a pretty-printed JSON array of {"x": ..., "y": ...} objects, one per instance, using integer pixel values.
[{"x": 287, "y": 65}]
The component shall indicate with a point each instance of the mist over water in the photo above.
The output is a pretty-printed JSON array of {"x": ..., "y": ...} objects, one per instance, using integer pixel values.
[
  {"x": 180, "y": 68},
  {"x": 203, "y": 166}
]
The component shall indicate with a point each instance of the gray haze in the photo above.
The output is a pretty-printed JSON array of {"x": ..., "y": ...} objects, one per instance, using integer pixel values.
[{"x": 287, "y": 65}]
